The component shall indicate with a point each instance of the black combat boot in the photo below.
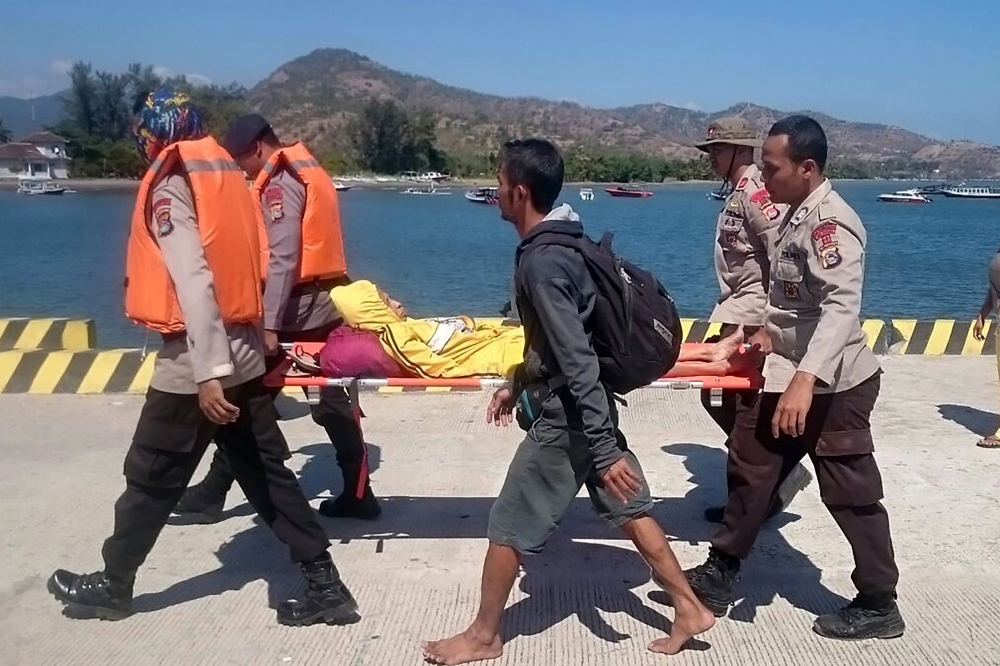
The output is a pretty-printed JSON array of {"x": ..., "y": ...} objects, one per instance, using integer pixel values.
[
  {"x": 199, "y": 505},
  {"x": 347, "y": 504},
  {"x": 107, "y": 597},
  {"x": 868, "y": 616},
  {"x": 713, "y": 581},
  {"x": 327, "y": 598}
]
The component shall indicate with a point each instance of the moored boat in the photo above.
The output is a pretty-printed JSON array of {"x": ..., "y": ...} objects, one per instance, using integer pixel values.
[
  {"x": 963, "y": 192},
  {"x": 904, "y": 196},
  {"x": 483, "y": 195},
  {"x": 628, "y": 191},
  {"x": 35, "y": 188}
]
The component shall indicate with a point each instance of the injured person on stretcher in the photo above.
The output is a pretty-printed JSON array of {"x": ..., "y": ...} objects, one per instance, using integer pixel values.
[{"x": 379, "y": 340}]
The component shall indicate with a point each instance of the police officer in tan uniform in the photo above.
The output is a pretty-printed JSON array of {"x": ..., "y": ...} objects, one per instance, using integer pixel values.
[
  {"x": 745, "y": 230},
  {"x": 821, "y": 384},
  {"x": 207, "y": 382},
  {"x": 293, "y": 312}
]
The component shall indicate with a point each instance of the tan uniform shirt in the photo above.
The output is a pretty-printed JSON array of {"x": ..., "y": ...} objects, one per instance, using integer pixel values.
[
  {"x": 814, "y": 307},
  {"x": 745, "y": 230},
  {"x": 208, "y": 349},
  {"x": 284, "y": 202}
]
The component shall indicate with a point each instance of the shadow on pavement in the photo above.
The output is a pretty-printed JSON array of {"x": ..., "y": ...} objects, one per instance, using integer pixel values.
[{"x": 977, "y": 421}]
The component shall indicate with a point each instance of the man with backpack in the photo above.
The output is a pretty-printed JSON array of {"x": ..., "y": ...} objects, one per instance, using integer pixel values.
[{"x": 582, "y": 308}]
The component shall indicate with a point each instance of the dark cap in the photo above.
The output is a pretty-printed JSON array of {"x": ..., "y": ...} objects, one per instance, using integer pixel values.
[{"x": 242, "y": 132}]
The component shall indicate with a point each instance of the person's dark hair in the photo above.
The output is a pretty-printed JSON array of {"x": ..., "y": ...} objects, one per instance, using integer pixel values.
[
  {"x": 806, "y": 139},
  {"x": 537, "y": 165}
]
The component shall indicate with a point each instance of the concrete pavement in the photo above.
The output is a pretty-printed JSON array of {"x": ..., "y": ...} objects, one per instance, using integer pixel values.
[{"x": 203, "y": 596}]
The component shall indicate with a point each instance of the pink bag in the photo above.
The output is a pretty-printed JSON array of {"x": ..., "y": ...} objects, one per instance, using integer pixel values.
[{"x": 351, "y": 352}]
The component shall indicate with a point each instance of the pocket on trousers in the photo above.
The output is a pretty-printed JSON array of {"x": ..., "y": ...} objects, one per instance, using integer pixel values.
[
  {"x": 156, "y": 468},
  {"x": 845, "y": 443},
  {"x": 166, "y": 435}
]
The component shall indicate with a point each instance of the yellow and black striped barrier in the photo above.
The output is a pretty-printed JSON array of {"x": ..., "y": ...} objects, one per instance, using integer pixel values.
[
  {"x": 941, "y": 337},
  {"x": 50, "y": 334},
  {"x": 90, "y": 371}
]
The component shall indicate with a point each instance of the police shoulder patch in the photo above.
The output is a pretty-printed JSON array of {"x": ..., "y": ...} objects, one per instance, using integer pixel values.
[
  {"x": 742, "y": 184},
  {"x": 161, "y": 217},
  {"x": 274, "y": 198},
  {"x": 824, "y": 238}
]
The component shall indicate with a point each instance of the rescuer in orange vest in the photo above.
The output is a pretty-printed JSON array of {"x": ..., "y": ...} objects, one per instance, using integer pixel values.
[
  {"x": 193, "y": 275},
  {"x": 302, "y": 257}
]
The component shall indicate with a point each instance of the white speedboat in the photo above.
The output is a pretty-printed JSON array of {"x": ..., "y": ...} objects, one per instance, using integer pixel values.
[
  {"x": 341, "y": 187},
  {"x": 587, "y": 194},
  {"x": 904, "y": 196},
  {"x": 963, "y": 192},
  {"x": 483, "y": 195}
]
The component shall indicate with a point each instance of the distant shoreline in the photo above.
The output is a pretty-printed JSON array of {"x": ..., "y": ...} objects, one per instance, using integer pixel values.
[{"x": 128, "y": 184}]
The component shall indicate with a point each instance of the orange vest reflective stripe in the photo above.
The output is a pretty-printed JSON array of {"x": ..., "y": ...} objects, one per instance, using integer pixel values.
[
  {"x": 322, "y": 254},
  {"x": 228, "y": 231}
]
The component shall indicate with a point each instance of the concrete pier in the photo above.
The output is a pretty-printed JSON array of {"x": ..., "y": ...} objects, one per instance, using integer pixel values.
[{"x": 203, "y": 596}]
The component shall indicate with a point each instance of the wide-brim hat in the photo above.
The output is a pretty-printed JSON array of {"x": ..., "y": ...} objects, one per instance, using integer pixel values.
[{"x": 732, "y": 131}]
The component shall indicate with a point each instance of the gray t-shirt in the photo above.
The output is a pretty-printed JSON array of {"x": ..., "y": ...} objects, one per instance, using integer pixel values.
[
  {"x": 283, "y": 200},
  {"x": 208, "y": 349}
]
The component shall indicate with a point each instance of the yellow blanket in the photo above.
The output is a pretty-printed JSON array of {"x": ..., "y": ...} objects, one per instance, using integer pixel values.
[{"x": 432, "y": 348}]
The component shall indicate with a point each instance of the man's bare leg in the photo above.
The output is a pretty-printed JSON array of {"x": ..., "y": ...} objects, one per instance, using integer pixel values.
[
  {"x": 690, "y": 616},
  {"x": 482, "y": 639}
]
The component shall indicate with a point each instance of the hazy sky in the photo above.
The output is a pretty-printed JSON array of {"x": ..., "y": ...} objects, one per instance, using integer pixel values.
[{"x": 931, "y": 67}]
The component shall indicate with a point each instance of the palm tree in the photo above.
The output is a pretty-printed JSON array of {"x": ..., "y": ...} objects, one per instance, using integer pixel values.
[{"x": 5, "y": 135}]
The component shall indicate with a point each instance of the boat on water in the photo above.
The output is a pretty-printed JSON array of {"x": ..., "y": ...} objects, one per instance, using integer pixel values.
[
  {"x": 963, "y": 192},
  {"x": 722, "y": 193},
  {"x": 341, "y": 187},
  {"x": 628, "y": 191},
  {"x": 586, "y": 194},
  {"x": 426, "y": 177},
  {"x": 35, "y": 189},
  {"x": 482, "y": 195},
  {"x": 432, "y": 190},
  {"x": 904, "y": 196}
]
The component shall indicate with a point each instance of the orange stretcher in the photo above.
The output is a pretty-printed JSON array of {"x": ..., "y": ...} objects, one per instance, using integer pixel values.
[{"x": 293, "y": 372}]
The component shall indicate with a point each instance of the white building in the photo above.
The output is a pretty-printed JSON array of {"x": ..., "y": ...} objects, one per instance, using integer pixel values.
[{"x": 41, "y": 156}]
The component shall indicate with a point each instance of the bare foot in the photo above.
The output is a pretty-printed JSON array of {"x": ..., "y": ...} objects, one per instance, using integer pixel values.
[
  {"x": 688, "y": 624},
  {"x": 463, "y": 648}
]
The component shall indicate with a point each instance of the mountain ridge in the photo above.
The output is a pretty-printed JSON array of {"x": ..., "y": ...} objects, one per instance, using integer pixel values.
[{"x": 313, "y": 96}]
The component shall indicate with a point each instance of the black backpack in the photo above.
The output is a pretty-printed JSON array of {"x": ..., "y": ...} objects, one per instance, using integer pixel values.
[{"x": 635, "y": 326}]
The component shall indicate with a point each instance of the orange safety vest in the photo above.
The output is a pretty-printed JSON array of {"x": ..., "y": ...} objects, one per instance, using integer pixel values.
[
  {"x": 322, "y": 254},
  {"x": 227, "y": 227}
]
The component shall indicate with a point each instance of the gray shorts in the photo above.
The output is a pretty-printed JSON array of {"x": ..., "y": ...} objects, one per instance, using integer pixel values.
[{"x": 548, "y": 470}]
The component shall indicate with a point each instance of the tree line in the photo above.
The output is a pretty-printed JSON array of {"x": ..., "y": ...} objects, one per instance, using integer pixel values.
[{"x": 98, "y": 121}]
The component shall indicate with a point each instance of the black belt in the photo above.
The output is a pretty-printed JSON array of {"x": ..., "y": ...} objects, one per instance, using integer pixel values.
[{"x": 317, "y": 286}]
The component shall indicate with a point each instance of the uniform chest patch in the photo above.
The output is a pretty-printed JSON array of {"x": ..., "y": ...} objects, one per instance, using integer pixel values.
[
  {"x": 732, "y": 240},
  {"x": 790, "y": 254},
  {"x": 274, "y": 198},
  {"x": 732, "y": 222}
]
